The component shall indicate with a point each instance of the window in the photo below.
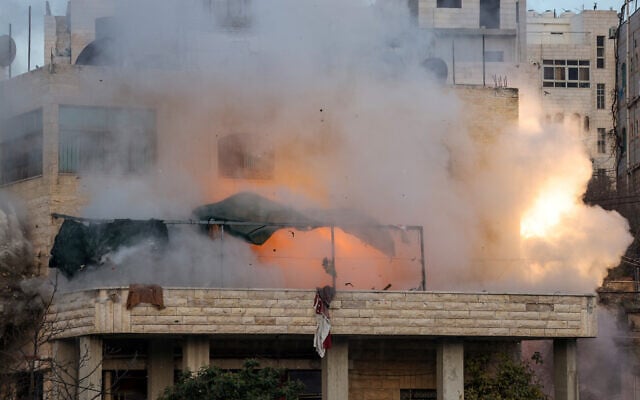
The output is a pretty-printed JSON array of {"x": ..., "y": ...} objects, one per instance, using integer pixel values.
[
  {"x": 98, "y": 139},
  {"x": 602, "y": 141},
  {"x": 449, "y": 4},
  {"x": 494, "y": 56},
  {"x": 418, "y": 394},
  {"x": 490, "y": 14},
  {"x": 21, "y": 147},
  {"x": 312, "y": 382},
  {"x": 566, "y": 73},
  {"x": 244, "y": 156},
  {"x": 599, "y": 51},
  {"x": 586, "y": 123},
  {"x": 600, "y": 96}
]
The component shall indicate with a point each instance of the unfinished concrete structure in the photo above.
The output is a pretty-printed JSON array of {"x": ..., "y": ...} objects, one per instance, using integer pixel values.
[{"x": 481, "y": 41}]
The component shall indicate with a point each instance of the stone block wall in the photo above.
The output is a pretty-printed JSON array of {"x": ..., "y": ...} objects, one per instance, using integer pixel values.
[{"x": 224, "y": 311}]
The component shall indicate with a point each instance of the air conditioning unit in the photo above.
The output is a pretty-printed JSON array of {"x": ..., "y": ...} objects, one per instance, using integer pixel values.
[{"x": 612, "y": 32}]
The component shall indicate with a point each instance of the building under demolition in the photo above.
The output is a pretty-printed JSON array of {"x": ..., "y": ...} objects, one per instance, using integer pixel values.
[{"x": 79, "y": 116}]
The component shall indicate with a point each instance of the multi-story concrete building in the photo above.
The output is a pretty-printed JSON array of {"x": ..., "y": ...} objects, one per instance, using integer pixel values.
[
  {"x": 573, "y": 76},
  {"x": 627, "y": 100},
  {"x": 481, "y": 41},
  {"x": 66, "y": 126}
]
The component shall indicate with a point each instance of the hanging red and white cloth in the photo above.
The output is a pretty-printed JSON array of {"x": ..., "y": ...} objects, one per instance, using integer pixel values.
[{"x": 322, "y": 337}]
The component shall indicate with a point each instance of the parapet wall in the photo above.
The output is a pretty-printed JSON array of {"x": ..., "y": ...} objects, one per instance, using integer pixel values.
[{"x": 254, "y": 311}]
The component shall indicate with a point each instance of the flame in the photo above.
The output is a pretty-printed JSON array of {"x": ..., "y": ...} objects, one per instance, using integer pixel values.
[
  {"x": 299, "y": 257},
  {"x": 554, "y": 201}
]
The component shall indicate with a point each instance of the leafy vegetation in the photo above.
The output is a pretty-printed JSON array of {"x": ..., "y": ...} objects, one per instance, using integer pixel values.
[
  {"x": 249, "y": 383},
  {"x": 506, "y": 379}
]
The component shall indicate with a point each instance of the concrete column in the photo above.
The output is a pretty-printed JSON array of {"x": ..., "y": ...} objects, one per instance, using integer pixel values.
[
  {"x": 335, "y": 371},
  {"x": 89, "y": 368},
  {"x": 565, "y": 369},
  {"x": 64, "y": 369},
  {"x": 195, "y": 353},
  {"x": 107, "y": 378},
  {"x": 159, "y": 367},
  {"x": 450, "y": 370}
]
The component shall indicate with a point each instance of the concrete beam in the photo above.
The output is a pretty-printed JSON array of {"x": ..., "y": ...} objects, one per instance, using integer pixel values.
[
  {"x": 89, "y": 368},
  {"x": 195, "y": 353},
  {"x": 335, "y": 371},
  {"x": 450, "y": 370},
  {"x": 565, "y": 369},
  {"x": 159, "y": 367}
]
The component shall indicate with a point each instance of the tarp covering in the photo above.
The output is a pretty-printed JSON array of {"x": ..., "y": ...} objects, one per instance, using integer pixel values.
[
  {"x": 81, "y": 244},
  {"x": 270, "y": 216}
]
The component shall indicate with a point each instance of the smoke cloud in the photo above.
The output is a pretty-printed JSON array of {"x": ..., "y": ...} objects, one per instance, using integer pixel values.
[{"x": 336, "y": 93}]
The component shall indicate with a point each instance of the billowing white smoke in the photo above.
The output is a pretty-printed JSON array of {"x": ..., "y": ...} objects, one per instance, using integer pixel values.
[
  {"x": 338, "y": 91},
  {"x": 23, "y": 295}
]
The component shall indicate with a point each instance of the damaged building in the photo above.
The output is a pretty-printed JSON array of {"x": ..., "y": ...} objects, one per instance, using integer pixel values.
[{"x": 76, "y": 118}]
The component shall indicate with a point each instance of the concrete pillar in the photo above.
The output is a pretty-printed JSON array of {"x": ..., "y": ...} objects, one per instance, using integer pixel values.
[
  {"x": 450, "y": 370},
  {"x": 64, "y": 369},
  {"x": 89, "y": 368},
  {"x": 159, "y": 367},
  {"x": 107, "y": 378},
  {"x": 565, "y": 369},
  {"x": 195, "y": 353},
  {"x": 335, "y": 371}
]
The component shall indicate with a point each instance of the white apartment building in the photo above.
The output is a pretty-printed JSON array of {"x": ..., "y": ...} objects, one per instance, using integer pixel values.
[{"x": 573, "y": 75}]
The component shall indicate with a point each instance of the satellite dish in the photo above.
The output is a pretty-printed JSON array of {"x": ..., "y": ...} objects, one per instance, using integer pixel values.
[{"x": 7, "y": 50}]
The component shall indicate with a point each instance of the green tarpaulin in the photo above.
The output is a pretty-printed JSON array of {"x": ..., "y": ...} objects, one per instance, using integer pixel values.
[
  {"x": 270, "y": 216},
  {"x": 80, "y": 244}
]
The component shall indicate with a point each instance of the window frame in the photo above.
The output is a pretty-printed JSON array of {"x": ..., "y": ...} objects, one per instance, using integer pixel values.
[
  {"x": 600, "y": 96},
  {"x": 22, "y": 147},
  {"x": 566, "y": 73},
  {"x": 600, "y": 52},
  {"x": 93, "y": 143},
  {"x": 601, "y": 144}
]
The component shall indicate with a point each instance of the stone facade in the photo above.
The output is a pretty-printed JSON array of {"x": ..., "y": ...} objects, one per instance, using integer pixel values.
[
  {"x": 570, "y": 36},
  {"x": 385, "y": 344},
  {"x": 219, "y": 311}
]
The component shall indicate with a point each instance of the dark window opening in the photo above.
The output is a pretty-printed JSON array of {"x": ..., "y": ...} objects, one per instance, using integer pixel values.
[
  {"x": 602, "y": 141},
  {"x": 21, "y": 147},
  {"x": 312, "y": 381},
  {"x": 243, "y": 156},
  {"x": 587, "y": 124},
  {"x": 128, "y": 385},
  {"x": 98, "y": 139},
  {"x": 418, "y": 394},
  {"x": 599, "y": 51},
  {"x": 490, "y": 14},
  {"x": 449, "y": 4}
]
